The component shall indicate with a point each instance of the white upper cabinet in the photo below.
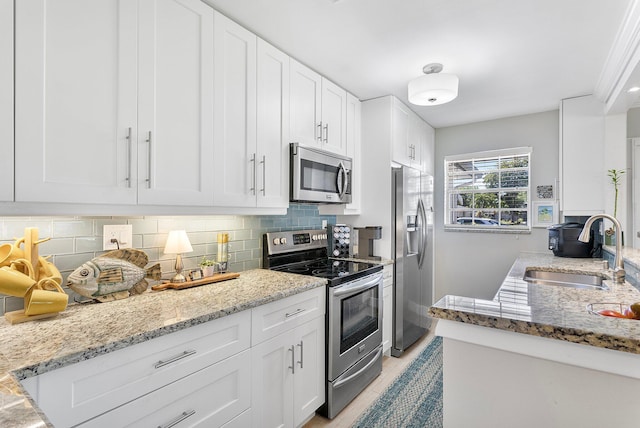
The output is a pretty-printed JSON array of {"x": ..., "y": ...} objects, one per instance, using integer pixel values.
[
  {"x": 113, "y": 101},
  {"x": 318, "y": 110},
  {"x": 354, "y": 146},
  {"x": 273, "y": 127},
  {"x": 6, "y": 100},
  {"x": 410, "y": 136},
  {"x": 582, "y": 145},
  {"x": 175, "y": 103},
  {"x": 234, "y": 114},
  {"x": 334, "y": 117},
  {"x": 250, "y": 119}
]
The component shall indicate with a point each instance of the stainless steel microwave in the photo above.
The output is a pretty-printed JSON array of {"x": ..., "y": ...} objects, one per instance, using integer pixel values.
[{"x": 319, "y": 177}]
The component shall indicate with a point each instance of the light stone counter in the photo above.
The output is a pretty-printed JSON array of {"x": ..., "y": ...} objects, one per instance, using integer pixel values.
[
  {"x": 550, "y": 311},
  {"x": 84, "y": 331}
]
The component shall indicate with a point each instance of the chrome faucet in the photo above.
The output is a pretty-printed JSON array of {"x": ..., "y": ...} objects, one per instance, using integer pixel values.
[{"x": 618, "y": 271}]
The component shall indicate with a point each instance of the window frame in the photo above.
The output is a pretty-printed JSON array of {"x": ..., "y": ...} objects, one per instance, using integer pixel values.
[{"x": 487, "y": 157}]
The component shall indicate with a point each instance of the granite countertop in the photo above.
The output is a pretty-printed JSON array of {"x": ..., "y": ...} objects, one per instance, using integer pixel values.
[
  {"x": 550, "y": 311},
  {"x": 84, "y": 331}
]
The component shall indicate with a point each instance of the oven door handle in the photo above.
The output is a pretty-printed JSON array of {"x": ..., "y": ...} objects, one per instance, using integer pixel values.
[
  {"x": 359, "y": 372},
  {"x": 339, "y": 291}
]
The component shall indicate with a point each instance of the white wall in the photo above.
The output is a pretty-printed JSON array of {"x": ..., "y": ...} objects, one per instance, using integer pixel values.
[{"x": 474, "y": 264}]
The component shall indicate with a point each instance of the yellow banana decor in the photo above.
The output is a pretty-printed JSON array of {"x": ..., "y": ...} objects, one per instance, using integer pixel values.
[{"x": 23, "y": 273}]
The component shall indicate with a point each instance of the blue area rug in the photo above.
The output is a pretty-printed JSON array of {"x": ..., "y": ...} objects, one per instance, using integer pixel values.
[{"x": 414, "y": 399}]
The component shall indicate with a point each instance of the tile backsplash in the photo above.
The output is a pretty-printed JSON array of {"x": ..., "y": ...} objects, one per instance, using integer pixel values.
[{"x": 75, "y": 240}]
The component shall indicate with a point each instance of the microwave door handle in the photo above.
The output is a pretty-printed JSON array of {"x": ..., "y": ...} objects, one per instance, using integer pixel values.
[
  {"x": 341, "y": 180},
  {"x": 423, "y": 233}
]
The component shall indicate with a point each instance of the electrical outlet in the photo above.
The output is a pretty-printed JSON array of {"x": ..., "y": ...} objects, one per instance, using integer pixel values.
[
  {"x": 324, "y": 224},
  {"x": 117, "y": 236}
]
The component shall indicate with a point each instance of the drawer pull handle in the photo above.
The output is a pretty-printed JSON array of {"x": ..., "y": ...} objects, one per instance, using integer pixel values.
[
  {"x": 185, "y": 354},
  {"x": 294, "y": 313},
  {"x": 179, "y": 419}
]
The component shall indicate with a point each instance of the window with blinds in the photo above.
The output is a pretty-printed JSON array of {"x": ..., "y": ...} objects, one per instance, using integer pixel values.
[{"x": 488, "y": 191}]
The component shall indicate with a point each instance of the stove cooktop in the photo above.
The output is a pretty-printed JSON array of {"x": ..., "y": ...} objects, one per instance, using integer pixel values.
[{"x": 335, "y": 271}]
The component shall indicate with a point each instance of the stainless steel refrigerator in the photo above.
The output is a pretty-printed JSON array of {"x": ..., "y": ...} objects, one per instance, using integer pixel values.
[{"x": 412, "y": 250}]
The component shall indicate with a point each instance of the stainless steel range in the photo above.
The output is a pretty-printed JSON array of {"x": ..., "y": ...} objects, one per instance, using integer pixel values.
[{"x": 354, "y": 310}]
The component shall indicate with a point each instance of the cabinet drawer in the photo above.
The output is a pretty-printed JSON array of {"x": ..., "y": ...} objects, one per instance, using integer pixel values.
[
  {"x": 277, "y": 317},
  {"x": 210, "y": 397},
  {"x": 78, "y": 392}
]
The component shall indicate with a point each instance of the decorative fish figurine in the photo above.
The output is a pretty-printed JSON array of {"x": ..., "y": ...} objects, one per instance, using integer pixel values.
[{"x": 114, "y": 275}]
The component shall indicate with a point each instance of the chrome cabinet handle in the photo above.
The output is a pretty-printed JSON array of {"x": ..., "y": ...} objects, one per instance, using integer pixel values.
[
  {"x": 129, "y": 144},
  {"x": 326, "y": 133},
  {"x": 264, "y": 175},
  {"x": 293, "y": 359},
  {"x": 319, "y": 132},
  {"x": 184, "y": 415},
  {"x": 253, "y": 159},
  {"x": 301, "y": 345},
  {"x": 185, "y": 354},
  {"x": 296, "y": 312},
  {"x": 148, "y": 180}
]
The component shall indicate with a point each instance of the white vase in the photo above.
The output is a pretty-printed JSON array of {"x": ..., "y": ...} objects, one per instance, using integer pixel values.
[{"x": 208, "y": 271}]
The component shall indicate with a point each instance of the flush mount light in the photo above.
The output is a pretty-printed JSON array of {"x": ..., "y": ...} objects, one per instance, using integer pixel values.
[
  {"x": 634, "y": 89},
  {"x": 433, "y": 88}
]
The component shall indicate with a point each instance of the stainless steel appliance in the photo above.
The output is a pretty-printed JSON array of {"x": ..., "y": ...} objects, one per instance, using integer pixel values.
[
  {"x": 366, "y": 236},
  {"x": 354, "y": 310},
  {"x": 319, "y": 176},
  {"x": 412, "y": 238}
]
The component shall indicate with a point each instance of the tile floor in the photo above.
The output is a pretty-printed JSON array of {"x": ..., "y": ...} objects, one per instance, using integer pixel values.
[{"x": 391, "y": 368}]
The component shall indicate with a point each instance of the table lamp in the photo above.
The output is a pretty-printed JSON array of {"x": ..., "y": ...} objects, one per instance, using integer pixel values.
[{"x": 178, "y": 243}]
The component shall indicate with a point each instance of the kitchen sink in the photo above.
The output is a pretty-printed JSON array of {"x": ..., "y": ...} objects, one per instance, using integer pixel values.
[{"x": 593, "y": 281}]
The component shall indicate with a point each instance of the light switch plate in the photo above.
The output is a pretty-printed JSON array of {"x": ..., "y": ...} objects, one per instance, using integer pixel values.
[{"x": 123, "y": 233}]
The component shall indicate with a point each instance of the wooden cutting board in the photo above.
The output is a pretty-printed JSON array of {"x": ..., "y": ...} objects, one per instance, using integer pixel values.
[{"x": 188, "y": 284}]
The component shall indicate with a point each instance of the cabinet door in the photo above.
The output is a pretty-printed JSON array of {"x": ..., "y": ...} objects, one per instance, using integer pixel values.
[
  {"x": 416, "y": 140},
  {"x": 400, "y": 133},
  {"x": 175, "y": 135},
  {"x": 6, "y": 100},
  {"x": 75, "y": 100},
  {"x": 272, "y": 126},
  {"x": 235, "y": 115},
  {"x": 427, "y": 153},
  {"x": 309, "y": 379},
  {"x": 305, "y": 96},
  {"x": 582, "y": 171},
  {"x": 273, "y": 363},
  {"x": 334, "y": 118}
]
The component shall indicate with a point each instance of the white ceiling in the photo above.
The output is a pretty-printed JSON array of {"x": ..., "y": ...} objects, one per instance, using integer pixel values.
[{"x": 513, "y": 57}]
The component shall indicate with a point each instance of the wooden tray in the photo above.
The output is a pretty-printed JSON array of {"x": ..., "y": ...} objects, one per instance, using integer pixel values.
[{"x": 188, "y": 284}]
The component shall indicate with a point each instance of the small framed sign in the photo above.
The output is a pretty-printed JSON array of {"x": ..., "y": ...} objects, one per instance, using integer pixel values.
[
  {"x": 544, "y": 213},
  {"x": 195, "y": 275}
]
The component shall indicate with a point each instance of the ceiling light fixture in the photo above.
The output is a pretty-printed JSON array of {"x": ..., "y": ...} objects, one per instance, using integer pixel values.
[
  {"x": 633, "y": 89},
  {"x": 433, "y": 88}
]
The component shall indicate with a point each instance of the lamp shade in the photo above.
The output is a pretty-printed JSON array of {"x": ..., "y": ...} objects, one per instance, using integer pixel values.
[
  {"x": 433, "y": 89},
  {"x": 177, "y": 243}
]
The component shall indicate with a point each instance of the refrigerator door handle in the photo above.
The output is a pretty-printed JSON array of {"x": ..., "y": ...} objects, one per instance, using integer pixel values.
[{"x": 423, "y": 233}]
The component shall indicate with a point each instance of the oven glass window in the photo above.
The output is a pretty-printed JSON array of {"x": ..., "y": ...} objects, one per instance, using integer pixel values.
[
  {"x": 318, "y": 176},
  {"x": 358, "y": 317}
]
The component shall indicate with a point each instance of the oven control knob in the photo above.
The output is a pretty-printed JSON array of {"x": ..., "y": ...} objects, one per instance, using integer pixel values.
[
  {"x": 276, "y": 241},
  {"x": 283, "y": 241},
  {"x": 314, "y": 237},
  {"x": 336, "y": 252}
]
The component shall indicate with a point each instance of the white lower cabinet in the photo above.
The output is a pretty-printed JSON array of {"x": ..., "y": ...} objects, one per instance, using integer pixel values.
[
  {"x": 288, "y": 340},
  {"x": 288, "y": 379},
  {"x": 209, "y": 397},
  {"x": 209, "y": 375},
  {"x": 79, "y": 392}
]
